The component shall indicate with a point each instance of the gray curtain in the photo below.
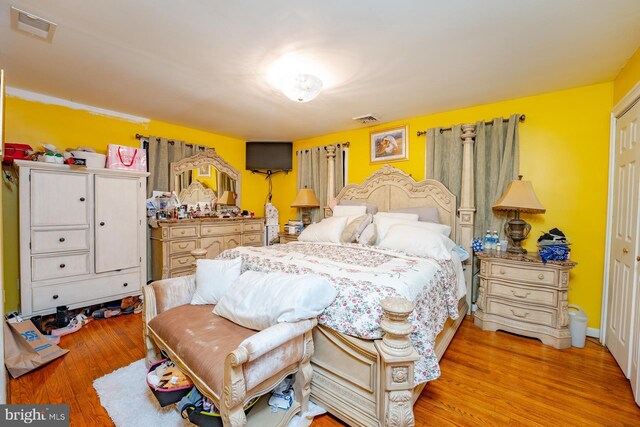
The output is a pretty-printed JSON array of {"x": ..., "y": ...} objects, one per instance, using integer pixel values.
[
  {"x": 225, "y": 183},
  {"x": 162, "y": 152},
  {"x": 497, "y": 160},
  {"x": 444, "y": 158},
  {"x": 312, "y": 173}
]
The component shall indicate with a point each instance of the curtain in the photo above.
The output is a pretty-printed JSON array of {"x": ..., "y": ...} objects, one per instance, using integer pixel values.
[
  {"x": 225, "y": 183},
  {"x": 162, "y": 152},
  {"x": 312, "y": 173},
  {"x": 444, "y": 158}
]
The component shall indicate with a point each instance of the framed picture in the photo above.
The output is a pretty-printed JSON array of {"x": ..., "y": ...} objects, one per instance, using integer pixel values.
[
  {"x": 204, "y": 171},
  {"x": 390, "y": 145}
]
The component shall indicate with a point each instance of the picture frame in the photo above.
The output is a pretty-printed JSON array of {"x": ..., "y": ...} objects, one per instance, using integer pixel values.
[
  {"x": 389, "y": 145},
  {"x": 204, "y": 171}
]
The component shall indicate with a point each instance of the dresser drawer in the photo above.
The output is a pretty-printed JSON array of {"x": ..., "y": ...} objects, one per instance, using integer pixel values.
[
  {"x": 531, "y": 295},
  {"x": 180, "y": 273},
  {"x": 522, "y": 274},
  {"x": 44, "y": 241},
  {"x": 48, "y": 297},
  {"x": 253, "y": 226},
  {"x": 217, "y": 230},
  {"x": 55, "y": 266},
  {"x": 181, "y": 261},
  {"x": 254, "y": 239},
  {"x": 184, "y": 231},
  {"x": 523, "y": 313},
  {"x": 182, "y": 246}
]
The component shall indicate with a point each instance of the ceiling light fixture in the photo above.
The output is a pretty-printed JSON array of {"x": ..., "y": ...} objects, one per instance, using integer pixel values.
[{"x": 302, "y": 87}]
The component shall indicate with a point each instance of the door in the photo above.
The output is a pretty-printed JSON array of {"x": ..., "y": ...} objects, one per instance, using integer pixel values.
[
  {"x": 635, "y": 352},
  {"x": 117, "y": 223},
  {"x": 623, "y": 266},
  {"x": 59, "y": 198}
]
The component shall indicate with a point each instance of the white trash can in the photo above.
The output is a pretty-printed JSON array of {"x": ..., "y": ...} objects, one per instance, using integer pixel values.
[{"x": 577, "y": 325}]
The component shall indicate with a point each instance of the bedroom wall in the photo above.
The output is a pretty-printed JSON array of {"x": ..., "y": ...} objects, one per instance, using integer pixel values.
[
  {"x": 34, "y": 122},
  {"x": 628, "y": 77},
  {"x": 564, "y": 152}
]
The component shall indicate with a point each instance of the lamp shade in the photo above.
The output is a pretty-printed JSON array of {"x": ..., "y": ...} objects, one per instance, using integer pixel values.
[
  {"x": 227, "y": 199},
  {"x": 519, "y": 197},
  {"x": 305, "y": 199}
]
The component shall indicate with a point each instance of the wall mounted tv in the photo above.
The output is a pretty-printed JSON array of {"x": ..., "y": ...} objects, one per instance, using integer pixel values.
[{"x": 269, "y": 156}]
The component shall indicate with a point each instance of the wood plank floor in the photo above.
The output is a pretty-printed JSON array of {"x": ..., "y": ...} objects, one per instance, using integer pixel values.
[{"x": 488, "y": 378}]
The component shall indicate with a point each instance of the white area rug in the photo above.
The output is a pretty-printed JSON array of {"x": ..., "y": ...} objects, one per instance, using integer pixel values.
[{"x": 129, "y": 402}]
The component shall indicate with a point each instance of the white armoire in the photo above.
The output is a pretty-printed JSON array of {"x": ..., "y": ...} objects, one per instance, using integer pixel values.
[{"x": 82, "y": 236}]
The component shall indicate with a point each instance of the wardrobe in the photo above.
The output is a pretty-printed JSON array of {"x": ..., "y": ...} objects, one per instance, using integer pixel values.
[
  {"x": 82, "y": 234},
  {"x": 622, "y": 319}
]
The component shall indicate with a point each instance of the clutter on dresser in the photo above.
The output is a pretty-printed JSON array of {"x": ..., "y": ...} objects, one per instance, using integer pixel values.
[
  {"x": 294, "y": 227},
  {"x": 126, "y": 158},
  {"x": 553, "y": 246},
  {"x": 87, "y": 156},
  {"x": 16, "y": 151}
]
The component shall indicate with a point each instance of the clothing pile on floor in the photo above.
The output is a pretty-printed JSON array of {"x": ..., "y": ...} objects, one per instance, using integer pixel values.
[{"x": 553, "y": 246}]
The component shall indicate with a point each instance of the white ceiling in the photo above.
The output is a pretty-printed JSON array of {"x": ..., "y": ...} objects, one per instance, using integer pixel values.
[{"x": 203, "y": 63}]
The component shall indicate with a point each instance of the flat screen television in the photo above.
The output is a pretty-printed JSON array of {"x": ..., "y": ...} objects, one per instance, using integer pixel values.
[{"x": 269, "y": 156}]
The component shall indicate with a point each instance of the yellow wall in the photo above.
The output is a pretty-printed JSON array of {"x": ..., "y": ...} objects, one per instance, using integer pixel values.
[
  {"x": 32, "y": 123},
  {"x": 564, "y": 152},
  {"x": 627, "y": 78}
]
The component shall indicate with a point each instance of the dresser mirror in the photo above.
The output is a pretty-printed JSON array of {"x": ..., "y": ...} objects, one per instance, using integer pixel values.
[{"x": 203, "y": 177}]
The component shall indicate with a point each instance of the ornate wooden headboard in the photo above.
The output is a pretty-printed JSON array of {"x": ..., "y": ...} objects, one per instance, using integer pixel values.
[{"x": 389, "y": 188}]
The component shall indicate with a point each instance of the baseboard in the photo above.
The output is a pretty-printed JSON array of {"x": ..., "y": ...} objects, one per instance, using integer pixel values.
[{"x": 593, "y": 332}]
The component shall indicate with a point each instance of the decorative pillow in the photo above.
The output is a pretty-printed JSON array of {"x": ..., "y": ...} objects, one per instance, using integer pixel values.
[
  {"x": 371, "y": 208},
  {"x": 213, "y": 278},
  {"x": 425, "y": 213},
  {"x": 349, "y": 210},
  {"x": 418, "y": 241},
  {"x": 369, "y": 235},
  {"x": 327, "y": 230},
  {"x": 258, "y": 300},
  {"x": 384, "y": 220},
  {"x": 355, "y": 227},
  {"x": 398, "y": 215}
]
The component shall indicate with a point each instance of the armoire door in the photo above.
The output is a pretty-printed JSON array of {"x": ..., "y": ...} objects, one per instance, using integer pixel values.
[
  {"x": 623, "y": 261},
  {"x": 59, "y": 198},
  {"x": 116, "y": 223}
]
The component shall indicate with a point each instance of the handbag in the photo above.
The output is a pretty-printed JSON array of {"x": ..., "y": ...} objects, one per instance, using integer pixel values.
[{"x": 126, "y": 158}]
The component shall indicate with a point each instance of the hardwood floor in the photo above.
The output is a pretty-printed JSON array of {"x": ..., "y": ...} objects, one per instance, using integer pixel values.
[{"x": 488, "y": 378}]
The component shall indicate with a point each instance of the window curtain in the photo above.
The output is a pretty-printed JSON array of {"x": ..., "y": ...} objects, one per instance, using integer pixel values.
[
  {"x": 162, "y": 152},
  {"x": 444, "y": 158},
  {"x": 312, "y": 173},
  {"x": 225, "y": 183}
]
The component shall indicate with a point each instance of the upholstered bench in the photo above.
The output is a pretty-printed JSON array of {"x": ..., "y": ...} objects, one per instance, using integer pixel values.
[{"x": 228, "y": 363}]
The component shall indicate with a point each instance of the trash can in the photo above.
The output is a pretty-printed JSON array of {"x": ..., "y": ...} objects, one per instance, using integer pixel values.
[{"x": 577, "y": 325}]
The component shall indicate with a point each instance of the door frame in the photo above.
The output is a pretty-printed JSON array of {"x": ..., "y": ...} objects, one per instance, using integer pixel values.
[{"x": 628, "y": 101}]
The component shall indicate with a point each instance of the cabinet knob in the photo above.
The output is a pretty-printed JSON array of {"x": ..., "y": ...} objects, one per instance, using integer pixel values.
[
  {"x": 625, "y": 250},
  {"x": 102, "y": 224},
  {"x": 82, "y": 199},
  {"x": 502, "y": 271},
  {"x": 125, "y": 284},
  {"x": 62, "y": 265},
  {"x": 638, "y": 258},
  {"x": 61, "y": 239},
  {"x": 540, "y": 276},
  {"x": 55, "y": 296}
]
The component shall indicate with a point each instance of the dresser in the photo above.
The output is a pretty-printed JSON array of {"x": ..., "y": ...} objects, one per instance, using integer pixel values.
[
  {"x": 524, "y": 296},
  {"x": 173, "y": 240},
  {"x": 82, "y": 234}
]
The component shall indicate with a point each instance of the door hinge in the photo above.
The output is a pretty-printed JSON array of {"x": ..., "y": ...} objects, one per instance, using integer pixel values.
[
  {"x": 140, "y": 259},
  {"x": 29, "y": 245}
]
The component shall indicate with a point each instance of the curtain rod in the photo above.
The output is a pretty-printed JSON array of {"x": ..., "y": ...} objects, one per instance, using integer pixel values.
[
  {"x": 344, "y": 144},
  {"x": 170, "y": 141},
  {"x": 424, "y": 132}
]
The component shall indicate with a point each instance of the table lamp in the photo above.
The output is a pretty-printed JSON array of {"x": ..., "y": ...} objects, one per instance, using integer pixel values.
[
  {"x": 519, "y": 197},
  {"x": 306, "y": 199}
]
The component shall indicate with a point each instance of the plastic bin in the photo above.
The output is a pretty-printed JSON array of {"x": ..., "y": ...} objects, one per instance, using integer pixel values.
[{"x": 577, "y": 325}]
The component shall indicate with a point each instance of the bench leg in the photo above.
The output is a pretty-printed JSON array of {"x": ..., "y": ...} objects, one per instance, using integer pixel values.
[{"x": 302, "y": 384}]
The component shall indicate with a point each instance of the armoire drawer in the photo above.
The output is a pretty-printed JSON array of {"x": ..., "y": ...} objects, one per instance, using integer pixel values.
[
  {"x": 253, "y": 226},
  {"x": 184, "y": 231},
  {"x": 526, "y": 294},
  {"x": 521, "y": 273},
  {"x": 253, "y": 239},
  {"x": 218, "y": 230},
  {"x": 523, "y": 313},
  {"x": 45, "y": 241},
  {"x": 56, "y": 266},
  {"x": 181, "y": 261},
  {"x": 181, "y": 246},
  {"x": 47, "y": 297}
]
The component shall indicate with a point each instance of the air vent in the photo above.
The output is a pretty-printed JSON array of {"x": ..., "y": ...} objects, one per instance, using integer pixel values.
[
  {"x": 367, "y": 118},
  {"x": 32, "y": 24}
]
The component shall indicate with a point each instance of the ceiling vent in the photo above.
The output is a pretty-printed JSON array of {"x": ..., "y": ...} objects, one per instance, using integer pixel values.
[
  {"x": 367, "y": 118},
  {"x": 32, "y": 24}
]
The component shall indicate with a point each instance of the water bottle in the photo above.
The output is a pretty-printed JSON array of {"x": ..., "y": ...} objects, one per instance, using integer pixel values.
[
  {"x": 487, "y": 241},
  {"x": 495, "y": 239}
]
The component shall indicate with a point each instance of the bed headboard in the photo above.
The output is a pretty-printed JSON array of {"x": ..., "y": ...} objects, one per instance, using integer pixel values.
[{"x": 389, "y": 188}]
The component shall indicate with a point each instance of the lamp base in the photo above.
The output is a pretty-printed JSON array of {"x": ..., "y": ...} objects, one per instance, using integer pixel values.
[
  {"x": 516, "y": 230},
  {"x": 306, "y": 218}
]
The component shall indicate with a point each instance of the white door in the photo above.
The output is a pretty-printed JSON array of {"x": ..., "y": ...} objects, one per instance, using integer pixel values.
[
  {"x": 623, "y": 267},
  {"x": 116, "y": 223},
  {"x": 59, "y": 198},
  {"x": 634, "y": 373}
]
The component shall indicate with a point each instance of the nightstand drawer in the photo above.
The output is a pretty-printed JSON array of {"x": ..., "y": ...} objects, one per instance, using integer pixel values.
[
  {"x": 527, "y": 294},
  {"x": 522, "y": 274},
  {"x": 521, "y": 313}
]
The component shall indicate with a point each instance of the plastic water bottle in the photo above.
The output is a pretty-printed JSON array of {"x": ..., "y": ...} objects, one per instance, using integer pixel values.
[
  {"x": 487, "y": 241},
  {"x": 495, "y": 239}
]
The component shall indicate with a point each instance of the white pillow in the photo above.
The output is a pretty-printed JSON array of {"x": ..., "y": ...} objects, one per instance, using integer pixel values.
[
  {"x": 327, "y": 230},
  {"x": 349, "y": 210},
  {"x": 259, "y": 300},
  {"x": 213, "y": 278},
  {"x": 398, "y": 215},
  {"x": 384, "y": 220},
  {"x": 418, "y": 241},
  {"x": 443, "y": 229}
]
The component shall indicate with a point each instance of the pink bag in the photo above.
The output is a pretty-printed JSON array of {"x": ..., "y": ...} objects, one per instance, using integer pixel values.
[{"x": 126, "y": 158}]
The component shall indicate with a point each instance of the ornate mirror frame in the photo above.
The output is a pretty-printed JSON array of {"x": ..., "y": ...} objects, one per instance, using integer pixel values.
[{"x": 204, "y": 158}]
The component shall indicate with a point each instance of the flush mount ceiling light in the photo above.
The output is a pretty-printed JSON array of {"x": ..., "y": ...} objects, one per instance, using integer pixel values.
[{"x": 302, "y": 87}]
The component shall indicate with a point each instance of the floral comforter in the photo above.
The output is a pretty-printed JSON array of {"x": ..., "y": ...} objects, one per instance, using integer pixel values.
[{"x": 363, "y": 276}]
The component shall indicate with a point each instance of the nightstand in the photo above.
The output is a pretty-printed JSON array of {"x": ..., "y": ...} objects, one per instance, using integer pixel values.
[
  {"x": 286, "y": 238},
  {"x": 520, "y": 294}
]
